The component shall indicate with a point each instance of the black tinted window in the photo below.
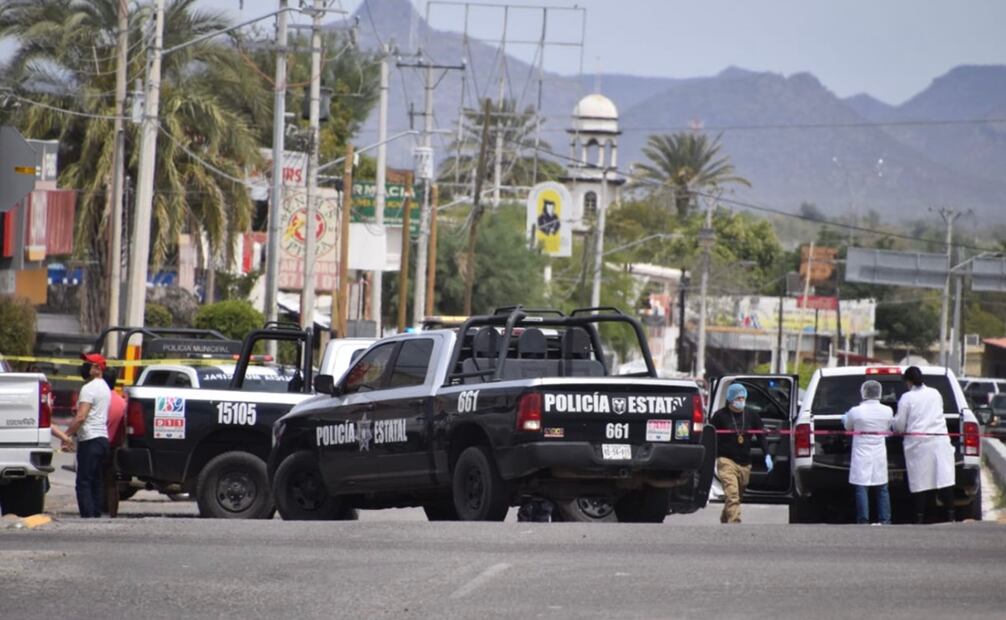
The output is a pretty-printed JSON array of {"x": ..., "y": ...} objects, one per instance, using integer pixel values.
[
  {"x": 367, "y": 373},
  {"x": 412, "y": 363},
  {"x": 158, "y": 378},
  {"x": 836, "y": 395}
]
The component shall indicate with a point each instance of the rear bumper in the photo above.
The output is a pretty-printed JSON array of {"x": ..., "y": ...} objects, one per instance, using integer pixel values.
[
  {"x": 585, "y": 459},
  {"x": 25, "y": 461},
  {"x": 817, "y": 479}
]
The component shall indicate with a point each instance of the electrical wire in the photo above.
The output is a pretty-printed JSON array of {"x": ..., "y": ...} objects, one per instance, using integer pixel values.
[{"x": 46, "y": 106}]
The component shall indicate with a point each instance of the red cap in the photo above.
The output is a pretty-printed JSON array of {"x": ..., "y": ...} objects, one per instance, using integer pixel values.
[{"x": 95, "y": 358}]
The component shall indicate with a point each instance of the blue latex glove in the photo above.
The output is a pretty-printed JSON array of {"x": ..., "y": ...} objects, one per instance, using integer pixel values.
[{"x": 768, "y": 463}]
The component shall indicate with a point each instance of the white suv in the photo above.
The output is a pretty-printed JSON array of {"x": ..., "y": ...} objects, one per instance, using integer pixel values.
[{"x": 821, "y": 450}]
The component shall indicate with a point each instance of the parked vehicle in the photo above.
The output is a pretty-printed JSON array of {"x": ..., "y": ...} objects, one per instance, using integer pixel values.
[
  {"x": 822, "y": 451},
  {"x": 510, "y": 407},
  {"x": 979, "y": 390},
  {"x": 25, "y": 441}
]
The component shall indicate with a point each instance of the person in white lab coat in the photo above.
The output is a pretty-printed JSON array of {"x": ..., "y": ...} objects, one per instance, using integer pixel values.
[
  {"x": 929, "y": 455},
  {"x": 868, "y": 468}
]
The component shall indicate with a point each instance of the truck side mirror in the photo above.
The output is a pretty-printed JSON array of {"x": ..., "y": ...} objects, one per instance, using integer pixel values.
[{"x": 324, "y": 384}]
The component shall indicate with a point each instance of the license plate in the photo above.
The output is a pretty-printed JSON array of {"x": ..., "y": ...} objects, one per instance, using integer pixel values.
[{"x": 616, "y": 451}]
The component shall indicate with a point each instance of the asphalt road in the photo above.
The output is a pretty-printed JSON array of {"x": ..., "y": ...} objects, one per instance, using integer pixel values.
[{"x": 395, "y": 564}]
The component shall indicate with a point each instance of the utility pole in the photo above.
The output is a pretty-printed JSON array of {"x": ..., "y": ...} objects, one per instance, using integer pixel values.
[
  {"x": 431, "y": 266},
  {"x": 806, "y": 292},
  {"x": 473, "y": 222},
  {"x": 956, "y": 359},
  {"x": 278, "y": 150},
  {"x": 118, "y": 172},
  {"x": 424, "y": 171},
  {"x": 403, "y": 270},
  {"x": 949, "y": 216},
  {"x": 602, "y": 211},
  {"x": 498, "y": 164},
  {"x": 314, "y": 114},
  {"x": 140, "y": 254},
  {"x": 377, "y": 277},
  {"x": 347, "y": 207},
  {"x": 706, "y": 239}
]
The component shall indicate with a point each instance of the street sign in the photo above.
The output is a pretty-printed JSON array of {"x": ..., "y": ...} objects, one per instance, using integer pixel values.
[
  {"x": 988, "y": 273},
  {"x": 918, "y": 269},
  {"x": 17, "y": 168},
  {"x": 365, "y": 198}
]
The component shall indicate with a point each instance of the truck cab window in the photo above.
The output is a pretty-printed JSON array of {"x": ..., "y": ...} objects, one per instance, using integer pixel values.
[
  {"x": 412, "y": 363},
  {"x": 368, "y": 373}
]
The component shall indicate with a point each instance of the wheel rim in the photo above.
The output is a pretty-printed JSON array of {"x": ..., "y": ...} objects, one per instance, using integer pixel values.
[
  {"x": 474, "y": 489},
  {"x": 236, "y": 491},
  {"x": 306, "y": 491},
  {"x": 595, "y": 507}
]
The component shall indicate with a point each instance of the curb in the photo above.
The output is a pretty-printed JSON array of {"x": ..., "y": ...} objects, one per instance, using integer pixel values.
[
  {"x": 994, "y": 452},
  {"x": 14, "y": 522}
]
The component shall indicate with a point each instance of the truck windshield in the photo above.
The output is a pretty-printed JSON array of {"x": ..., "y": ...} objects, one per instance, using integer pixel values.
[{"x": 836, "y": 395}]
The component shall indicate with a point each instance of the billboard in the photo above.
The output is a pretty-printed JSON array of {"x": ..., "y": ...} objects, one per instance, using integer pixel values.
[
  {"x": 293, "y": 237},
  {"x": 762, "y": 314},
  {"x": 548, "y": 206},
  {"x": 365, "y": 199}
]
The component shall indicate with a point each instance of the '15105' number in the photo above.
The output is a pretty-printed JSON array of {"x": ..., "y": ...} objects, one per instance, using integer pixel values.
[{"x": 236, "y": 413}]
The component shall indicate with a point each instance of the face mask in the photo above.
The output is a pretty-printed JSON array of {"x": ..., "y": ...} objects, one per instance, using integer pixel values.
[
  {"x": 738, "y": 403},
  {"x": 85, "y": 371}
]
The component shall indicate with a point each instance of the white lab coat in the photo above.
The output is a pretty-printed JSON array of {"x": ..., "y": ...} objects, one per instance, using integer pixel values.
[
  {"x": 869, "y": 452},
  {"x": 929, "y": 459}
]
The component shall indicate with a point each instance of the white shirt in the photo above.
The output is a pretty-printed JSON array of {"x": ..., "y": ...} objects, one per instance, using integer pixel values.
[
  {"x": 96, "y": 393},
  {"x": 868, "y": 466},
  {"x": 929, "y": 457}
]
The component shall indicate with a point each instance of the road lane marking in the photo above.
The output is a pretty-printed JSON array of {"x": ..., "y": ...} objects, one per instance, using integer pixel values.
[{"x": 478, "y": 581}]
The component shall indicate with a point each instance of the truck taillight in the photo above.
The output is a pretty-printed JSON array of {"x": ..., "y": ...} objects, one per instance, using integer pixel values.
[
  {"x": 802, "y": 439},
  {"x": 529, "y": 412},
  {"x": 698, "y": 413},
  {"x": 972, "y": 439},
  {"x": 134, "y": 419},
  {"x": 44, "y": 404}
]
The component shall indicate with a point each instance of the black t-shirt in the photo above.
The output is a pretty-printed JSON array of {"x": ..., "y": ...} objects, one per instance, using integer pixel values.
[{"x": 738, "y": 424}]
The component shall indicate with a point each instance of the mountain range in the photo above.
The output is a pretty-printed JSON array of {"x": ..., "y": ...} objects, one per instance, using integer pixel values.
[{"x": 794, "y": 139}]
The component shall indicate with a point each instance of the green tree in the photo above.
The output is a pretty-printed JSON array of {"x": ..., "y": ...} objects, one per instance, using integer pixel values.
[
  {"x": 683, "y": 163},
  {"x": 65, "y": 61},
  {"x": 234, "y": 318},
  {"x": 156, "y": 315},
  {"x": 17, "y": 326},
  {"x": 913, "y": 325}
]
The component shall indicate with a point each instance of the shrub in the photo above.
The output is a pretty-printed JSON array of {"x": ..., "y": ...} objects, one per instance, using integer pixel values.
[
  {"x": 156, "y": 315},
  {"x": 17, "y": 326},
  {"x": 233, "y": 319}
]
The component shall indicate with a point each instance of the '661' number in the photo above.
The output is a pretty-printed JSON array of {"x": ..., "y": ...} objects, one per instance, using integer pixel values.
[
  {"x": 468, "y": 401},
  {"x": 236, "y": 413}
]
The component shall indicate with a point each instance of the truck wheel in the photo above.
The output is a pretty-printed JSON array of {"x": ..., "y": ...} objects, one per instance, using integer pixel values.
[
  {"x": 441, "y": 511},
  {"x": 233, "y": 485},
  {"x": 803, "y": 510},
  {"x": 479, "y": 491},
  {"x": 300, "y": 492},
  {"x": 645, "y": 506},
  {"x": 586, "y": 510},
  {"x": 24, "y": 497}
]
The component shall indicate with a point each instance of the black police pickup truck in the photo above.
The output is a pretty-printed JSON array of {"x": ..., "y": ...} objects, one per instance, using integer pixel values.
[
  {"x": 213, "y": 442},
  {"x": 510, "y": 407}
]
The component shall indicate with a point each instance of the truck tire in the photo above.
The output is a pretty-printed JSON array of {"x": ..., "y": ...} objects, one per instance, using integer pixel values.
[
  {"x": 301, "y": 495},
  {"x": 648, "y": 505},
  {"x": 233, "y": 485},
  {"x": 479, "y": 491},
  {"x": 24, "y": 497},
  {"x": 441, "y": 511},
  {"x": 586, "y": 510},
  {"x": 974, "y": 509},
  {"x": 803, "y": 510}
]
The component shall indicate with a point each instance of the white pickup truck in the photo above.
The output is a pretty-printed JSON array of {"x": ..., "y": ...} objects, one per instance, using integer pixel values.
[
  {"x": 821, "y": 450},
  {"x": 25, "y": 441}
]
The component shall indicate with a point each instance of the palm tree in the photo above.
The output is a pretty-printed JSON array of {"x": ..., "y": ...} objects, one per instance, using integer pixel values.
[
  {"x": 65, "y": 61},
  {"x": 683, "y": 163},
  {"x": 518, "y": 161}
]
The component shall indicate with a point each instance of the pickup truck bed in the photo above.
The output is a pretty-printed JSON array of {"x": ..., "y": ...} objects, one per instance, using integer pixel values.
[{"x": 25, "y": 450}]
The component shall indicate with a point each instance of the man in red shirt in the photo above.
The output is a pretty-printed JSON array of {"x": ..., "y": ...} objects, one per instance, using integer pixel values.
[{"x": 116, "y": 437}]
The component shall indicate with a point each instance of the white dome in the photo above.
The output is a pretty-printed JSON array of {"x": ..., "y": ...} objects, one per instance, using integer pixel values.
[{"x": 595, "y": 106}]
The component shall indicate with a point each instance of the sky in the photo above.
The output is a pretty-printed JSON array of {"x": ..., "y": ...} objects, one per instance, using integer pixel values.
[{"x": 891, "y": 49}]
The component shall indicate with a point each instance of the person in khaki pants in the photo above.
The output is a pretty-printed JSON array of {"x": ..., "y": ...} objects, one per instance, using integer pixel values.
[{"x": 733, "y": 449}]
